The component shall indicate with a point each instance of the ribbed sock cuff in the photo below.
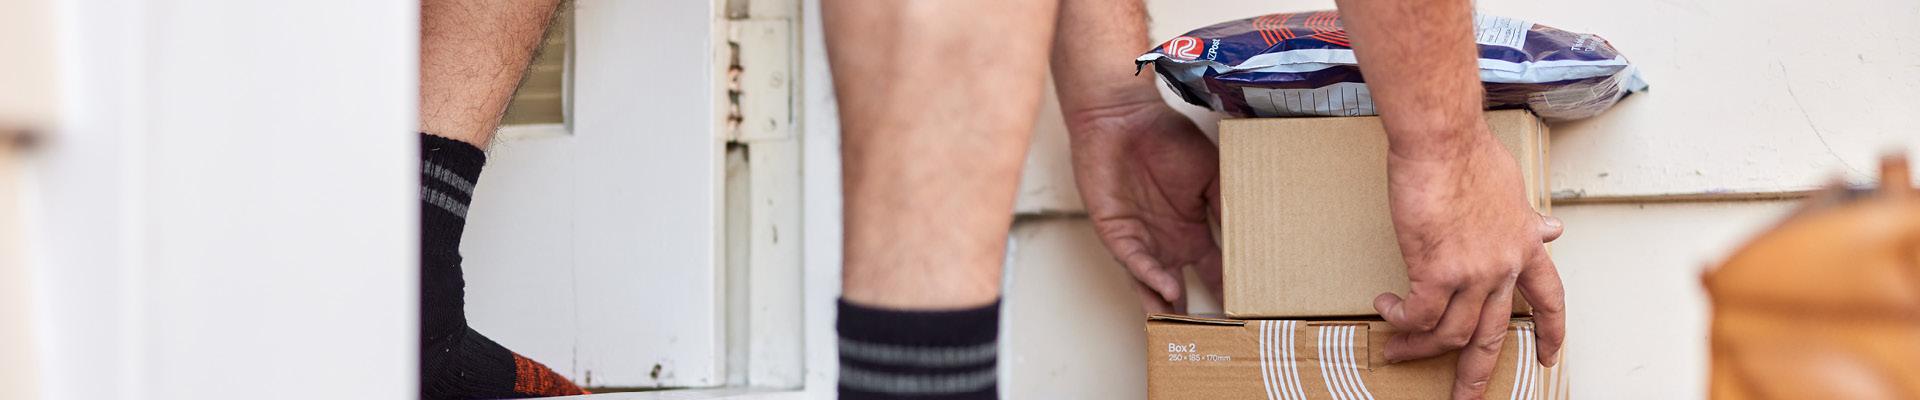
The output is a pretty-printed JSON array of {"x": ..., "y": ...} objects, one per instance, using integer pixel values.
[
  {"x": 448, "y": 170},
  {"x": 920, "y": 355}
]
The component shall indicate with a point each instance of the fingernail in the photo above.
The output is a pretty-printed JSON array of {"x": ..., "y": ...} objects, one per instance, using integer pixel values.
[{"x": 1551, "y": 221}]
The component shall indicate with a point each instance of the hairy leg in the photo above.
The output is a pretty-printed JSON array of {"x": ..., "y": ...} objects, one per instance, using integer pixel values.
[
  {"x": 472, "y": 56},
  {"x": 937, "y": 102}
]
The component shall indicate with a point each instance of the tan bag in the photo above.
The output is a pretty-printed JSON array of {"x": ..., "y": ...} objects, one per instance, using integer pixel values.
[{"x": 1827, "y": 304}]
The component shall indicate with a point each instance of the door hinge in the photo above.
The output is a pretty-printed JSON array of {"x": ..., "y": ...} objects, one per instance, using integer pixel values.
[{"x": 760, "y": 80}]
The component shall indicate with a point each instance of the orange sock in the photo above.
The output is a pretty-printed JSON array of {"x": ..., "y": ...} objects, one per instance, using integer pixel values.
[{"x": 532, "y": 378}]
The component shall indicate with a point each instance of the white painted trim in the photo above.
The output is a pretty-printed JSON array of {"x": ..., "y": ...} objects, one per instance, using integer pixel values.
[
  {"x": 819, "y": 129},
  {"x": 734, "y": 268},
  {"x": 765, "y": 328},
  {"x": 699, "y": 394},
  {"x": 766, "y": 99},
  {"x": 774, "y": 317},
  {"x": 512, "y": 133}
]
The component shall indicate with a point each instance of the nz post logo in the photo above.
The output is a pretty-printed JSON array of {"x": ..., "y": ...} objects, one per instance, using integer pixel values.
[{"x": 1188, "y": 48}]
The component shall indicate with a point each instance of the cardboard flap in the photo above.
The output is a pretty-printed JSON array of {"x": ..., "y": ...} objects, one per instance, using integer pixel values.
[
  {"x": 1517, "y": 328},
  {"x": 1306, "y": 223},
  {"x": 1196, "y": 319}
]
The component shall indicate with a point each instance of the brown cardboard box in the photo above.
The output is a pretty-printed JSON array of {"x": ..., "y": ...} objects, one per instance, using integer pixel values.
[
  {"x": 1225, "y": 359},
  {"x": 1305, "y": 220}
]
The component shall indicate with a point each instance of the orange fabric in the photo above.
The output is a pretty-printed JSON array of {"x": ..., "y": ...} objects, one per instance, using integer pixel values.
[{"x": 532, "y": 378}]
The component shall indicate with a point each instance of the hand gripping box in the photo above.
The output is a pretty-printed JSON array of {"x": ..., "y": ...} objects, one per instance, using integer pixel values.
[
  {"x": 1307, "y": 231},
  {"x": 1226, "y": 359}
]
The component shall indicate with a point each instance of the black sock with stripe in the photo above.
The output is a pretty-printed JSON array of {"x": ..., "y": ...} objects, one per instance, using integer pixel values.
[
  {"x": 455, "y": 361},
  {"x": 919, "y": 355}
]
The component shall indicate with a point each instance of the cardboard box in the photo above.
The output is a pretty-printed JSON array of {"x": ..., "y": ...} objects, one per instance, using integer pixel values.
[
  {"x": 1225, "y": 359},
  {"x": 1304, "y": 212}
]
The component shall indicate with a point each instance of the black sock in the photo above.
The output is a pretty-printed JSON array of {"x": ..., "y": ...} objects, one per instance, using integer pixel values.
[
  {"x": 455, "y": 361},
  {"x": 921, "y": 355}
]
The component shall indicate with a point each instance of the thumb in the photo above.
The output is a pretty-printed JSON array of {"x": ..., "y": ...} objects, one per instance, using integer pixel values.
[{"x": 1550, "y": 228}]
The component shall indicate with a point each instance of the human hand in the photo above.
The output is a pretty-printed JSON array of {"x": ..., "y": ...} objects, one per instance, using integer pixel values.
[
  {"x": 1149, "y": 178},
  {"x": 1469, "y": 238}
]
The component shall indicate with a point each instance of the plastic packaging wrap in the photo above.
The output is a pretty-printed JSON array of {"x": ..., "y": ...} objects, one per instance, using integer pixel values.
[{"x": 1302, "y": 64}]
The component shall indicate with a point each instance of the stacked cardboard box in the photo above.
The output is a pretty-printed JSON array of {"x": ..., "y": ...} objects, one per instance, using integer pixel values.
[
  {"x": 1308, "y": 243},
  {"x": 1231, "y": 359}
]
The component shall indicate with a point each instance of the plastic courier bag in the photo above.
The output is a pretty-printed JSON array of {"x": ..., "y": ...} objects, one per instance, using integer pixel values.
[{"x": 1302, "y": 64}]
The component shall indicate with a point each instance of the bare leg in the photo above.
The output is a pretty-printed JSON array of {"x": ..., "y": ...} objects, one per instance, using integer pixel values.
[
  {"x": 937, "y": 100},
  {"x": 937, "y": 103},
  {"x": 472, "y": 55}
]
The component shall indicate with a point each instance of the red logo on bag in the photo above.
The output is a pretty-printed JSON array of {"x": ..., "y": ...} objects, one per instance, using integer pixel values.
[{"x": 1184, "y": 47}]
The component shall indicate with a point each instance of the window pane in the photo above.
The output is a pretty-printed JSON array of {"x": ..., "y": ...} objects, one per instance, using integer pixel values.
[{"x": 541, "y": 98}]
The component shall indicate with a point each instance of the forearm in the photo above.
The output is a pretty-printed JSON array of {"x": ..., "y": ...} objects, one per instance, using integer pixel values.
[
  {"x": 1419, "y": 60},
  {"x": 1094, "y": 44}
]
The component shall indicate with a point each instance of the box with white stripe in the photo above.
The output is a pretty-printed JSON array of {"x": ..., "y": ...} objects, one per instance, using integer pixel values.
[{"x": 1227, "y": 359}]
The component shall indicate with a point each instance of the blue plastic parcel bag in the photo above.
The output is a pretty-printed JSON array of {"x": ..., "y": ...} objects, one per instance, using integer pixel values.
[{"x": 1302, "y": 64}]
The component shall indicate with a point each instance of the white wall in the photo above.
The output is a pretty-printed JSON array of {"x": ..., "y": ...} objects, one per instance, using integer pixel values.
[
  {"x": 579, "y": 245},
  {"x": 228, "y": 209},
  {"x": 1746, "y": 96}
]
